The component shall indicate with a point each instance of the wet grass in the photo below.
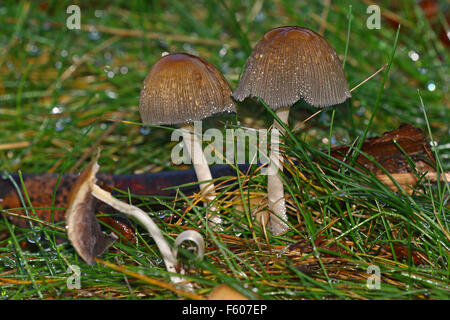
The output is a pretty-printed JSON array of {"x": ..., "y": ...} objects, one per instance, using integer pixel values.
[{"x": 61, "y": 90}]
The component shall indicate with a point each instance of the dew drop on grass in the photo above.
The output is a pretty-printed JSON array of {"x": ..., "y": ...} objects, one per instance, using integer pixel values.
[
  {"x": 35, "y": 237},
  {"x": 33, "y": 50},
  {"x": 61, "y": 123},
  {"x": 225, "y": 67},
  {"x": 15, "y": 161},
  {"x": 414, "y": 56},
  {"x": 109, "y": 71},
  {"x": 108, "y": 56},
  {"x": 57, "y": 110},
  {"x": 189, "y": 49},
  {"x": 431, "y": 86},
  {"x": 94, "y": 35},
  {"x": 10, "y": 65},
  {"x": 123, "y": 69},
  {"x": 46, "y": 26},
  {"x": 260, "y": 17},
  {"x": 360, "y": 111},
  {"x": 422, "y": 70},
  {"x": 161, "y": 214},
  {"x": 8, "y": 262},
  {"x": 111, "y": 94},
  {"x": 419, "y": 121},
  {"x": 145, "y": 130},
  {"x": 223, "y": 51}
]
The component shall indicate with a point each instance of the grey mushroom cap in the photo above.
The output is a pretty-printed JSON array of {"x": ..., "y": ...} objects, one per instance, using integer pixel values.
[
  {"x": 292, "y": 63},
  {"x": 182, "y": 88}
]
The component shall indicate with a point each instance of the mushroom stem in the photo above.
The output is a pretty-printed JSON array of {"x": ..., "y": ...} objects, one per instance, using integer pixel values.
[
  {"x": 201, "y": 167},
  {"x": 167, "y": 253},
  {"x": 275, "y": 188}
]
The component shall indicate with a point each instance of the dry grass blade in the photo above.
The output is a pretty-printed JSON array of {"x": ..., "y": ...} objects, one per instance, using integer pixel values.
[
  {"x": 8, "y": 281},
  {"x": 155, "y": 35},
  {"x": 368, "y": 78},
  {"x": 14, "y": 145}
]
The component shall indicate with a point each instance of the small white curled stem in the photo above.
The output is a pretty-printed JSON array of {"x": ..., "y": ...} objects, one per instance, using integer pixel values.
[{"x": 140, "y": 215}]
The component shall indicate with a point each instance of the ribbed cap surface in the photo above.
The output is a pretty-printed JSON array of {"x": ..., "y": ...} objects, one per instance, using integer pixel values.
[
  {"x": 181, "y": 88},
  {"x": 293, "y": 63}
]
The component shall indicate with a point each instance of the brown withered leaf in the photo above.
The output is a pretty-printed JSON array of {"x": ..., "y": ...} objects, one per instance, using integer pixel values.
[
  {"x": 304, "y": 247},
  {"x": 401, "y": 252}
]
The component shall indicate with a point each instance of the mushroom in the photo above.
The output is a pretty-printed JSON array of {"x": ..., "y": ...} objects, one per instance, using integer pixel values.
[
  {"x": 225, "y": 292},
  {"x": 181, "y": 89},
  {"x": 83, "y": 228},
  {"x": 288, "y": 64},
  {"x": 89, "y": 241}
]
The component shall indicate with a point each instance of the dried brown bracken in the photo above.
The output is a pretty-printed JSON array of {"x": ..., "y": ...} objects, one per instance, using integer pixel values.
[
  {"x": 181, "y": 88},
  {"x": 293, "y": 63}
]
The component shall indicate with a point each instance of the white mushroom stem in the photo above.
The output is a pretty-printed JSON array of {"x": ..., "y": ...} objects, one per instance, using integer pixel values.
[
  {"x": 167, "y": 253},
  {"x": 201, "y": 167},
  {"x": 192, "y": 236},
  {"x": 275, "y": 188}
]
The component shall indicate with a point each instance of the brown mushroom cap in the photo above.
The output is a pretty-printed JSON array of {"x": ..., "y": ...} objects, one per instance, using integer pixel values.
[
  {"x": 83, "y": 229},
  {"x": 225, "y": 292},
  {"x": 182, "y": 88},
  {"x": 293, "y": 63}
]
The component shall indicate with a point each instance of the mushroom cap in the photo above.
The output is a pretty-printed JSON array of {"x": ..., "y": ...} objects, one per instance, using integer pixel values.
[
  {"x": 225, "y": 292},
  {"x": 83, "y": 229},
  {"x": 182, "y": 88},
  {"x": 292, "y": 63}
]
